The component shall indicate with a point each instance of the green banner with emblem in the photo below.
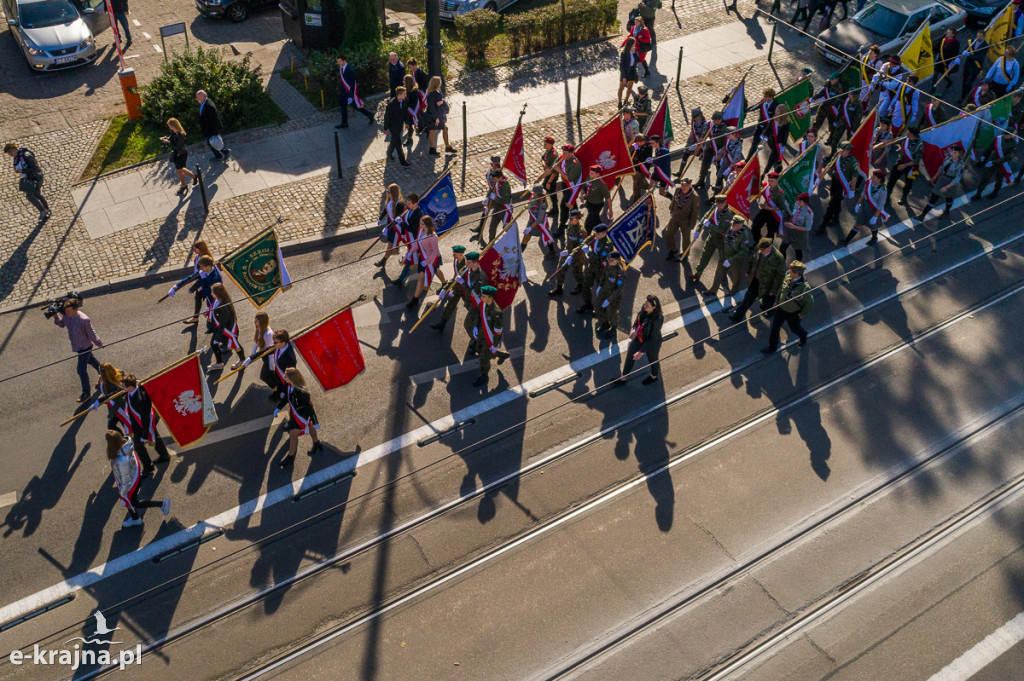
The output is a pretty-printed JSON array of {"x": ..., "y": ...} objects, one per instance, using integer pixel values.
[
  {"x": 997, "y": 113},
  {"x": 257, "y": 268},
  {"x": 797, "y": 98}
]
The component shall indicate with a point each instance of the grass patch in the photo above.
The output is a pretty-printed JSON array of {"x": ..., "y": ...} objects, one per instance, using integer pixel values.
[
  {"x": 125, "y": 142},
  {"x": 497, "y": 50},
  {"x": 310, "y": 91}
]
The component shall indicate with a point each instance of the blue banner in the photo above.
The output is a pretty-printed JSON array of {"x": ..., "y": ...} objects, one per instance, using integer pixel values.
[
  {"x": 634, "y": 230},
  {"x": 439, "y": 203}
]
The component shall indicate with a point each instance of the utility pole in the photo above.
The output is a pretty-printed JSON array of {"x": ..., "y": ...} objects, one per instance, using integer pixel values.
[{"x": 433, "y": 27}]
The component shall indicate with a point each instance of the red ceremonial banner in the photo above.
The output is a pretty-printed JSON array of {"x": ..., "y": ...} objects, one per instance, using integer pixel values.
[
  {"x": 503, "y": 263},
  {"x": 606, "y": 148},
  {"x": 861, "y": 142},
  {"x": 515, "y": 157},
  {"x": 182, "y": 399},
  {"x": 331, "y": 350},
  {"x": 744, "y": 186}
]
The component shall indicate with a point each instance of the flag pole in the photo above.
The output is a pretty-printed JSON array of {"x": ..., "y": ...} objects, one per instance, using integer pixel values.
[
  {"x": 518, "y": 128},
  {"x": 266, "y": 352},
  {"x": 707, "y": 135},
  {"x": 121, "y": 391}
]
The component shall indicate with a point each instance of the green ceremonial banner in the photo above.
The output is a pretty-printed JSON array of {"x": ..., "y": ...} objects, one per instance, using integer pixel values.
[
  {"x": 798, "y": 98},
  {"x": 997, "y": 112},
  {"x": 258, "y": 269},
  {"x": 668, "y": 134},
  {"x": 798, "y": 177},
  {"x": 849, "y": 76}
]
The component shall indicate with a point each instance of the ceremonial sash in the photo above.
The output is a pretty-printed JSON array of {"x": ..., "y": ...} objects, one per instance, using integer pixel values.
[
  {"x": 389, "y": 208},
  {"x": 232, "y": 335},
  {"x": 665, "y": 177},
  {"x": 847, "y": 119},
  {"x": 419, "y": 106},
  {"x": 277, "y": 365},
  {"x": 830, "y": 97},
  {"x": 871, "y": 202},
  {"x": 714, "y": 141},
  {"x": 541, "y": 220},
  {"x": 412, "y": 255},
  {"x": 127, "y": 499},
  {"x": 847, "y": 183},
  {"x": 976, "y": 97},
  {"x": 137, "y": 417},
  {"x": 642, "y": 167},
  {"x": 929, "y": 115},
  {"x": 574, "y": 187},
  {"x": 1003, "y": 69},
  {"x": 693, "y": 132},
  {"x": 488, "y": 332},
  {"x": 121, "y": 413},
  {"x": 773, "y": 207},
  {"x": 428, "y": 271},
  {"x": 352, "y": 90},
  {"x": 908, "y": 156},
  {"x": 1004, "y": 165},
  {"x": 765, "y": 115},
  {"x": 303, "y": 422}
]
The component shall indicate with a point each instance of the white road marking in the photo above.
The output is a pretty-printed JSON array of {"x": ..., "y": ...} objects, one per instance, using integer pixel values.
[
  {"x": 372, "y": 314},
  {"x": 132, "y": 56},
  {"x": 157, "y": 48},
  {"x": 286, "y": 492},
  {"x": 136, "y": 22},
  {"x": 9, "y": 499},
  {"x": 146, "y": 35},
  {"x": 984, "y": 652},
  {"x": 470, "y": 364}
]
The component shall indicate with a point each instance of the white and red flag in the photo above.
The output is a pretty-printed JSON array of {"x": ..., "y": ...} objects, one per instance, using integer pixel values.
[
  {"x": 606, "y": 148},
  {"x": 182, "y": 399},
  {"x": 744, "y": 186},
  {"x": 940, "y": 138},
  {"x": 331, "y": 350},
  {"x": 515, "y": 157},
  {"x": 734, "y": 113},
  {"x": 503, "y": 263}
]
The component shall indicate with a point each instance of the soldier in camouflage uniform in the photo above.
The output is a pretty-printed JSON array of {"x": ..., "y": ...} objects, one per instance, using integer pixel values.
[
  {"x": 539, "y": 223},
  {"x": 571, "y": 173},
  {"x": 737, "y": 244},
  {"x": 766, "y": 274},
  {"x": 794, "y": 301},
  {"x": 598, "y": 251},
  {"x": 716, "y": 221},
  {"x": 472, "y": 283},
  {"x": 574, "y": 236},
  {"x": 609, "y": 293},
  {"x": 549, "y": 178},
  {"x": 642, "y": 105},
  {"x": 492, "y": 316},
  {"x": 456, "y": 292}
]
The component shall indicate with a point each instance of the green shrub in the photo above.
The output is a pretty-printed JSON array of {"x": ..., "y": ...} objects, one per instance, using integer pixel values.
[
  {"x": 476, "y": 29},
  {"x": 362, "y": 24},
  {"x": 541, "y": 28},
  {"x": 235, "y": 87}
]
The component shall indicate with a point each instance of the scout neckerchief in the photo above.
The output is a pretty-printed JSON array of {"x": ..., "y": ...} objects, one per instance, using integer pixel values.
[
  {"x": 137, "y": 417},
  {"x": 351, "y": 88},
  {"x": 875, "y": 205},
  {"x": 303, "y": 422},
  {"x": 843, "y": 180},
  {"x": 773, "y": 207},
  {"x": 277, "y": 361},
  {"x": 1004, "y": 164},
  {"x": 574, "y": 187}
]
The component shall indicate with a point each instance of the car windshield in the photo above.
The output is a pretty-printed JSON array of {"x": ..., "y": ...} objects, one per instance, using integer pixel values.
[
  {"x": 46, "y": 13},
  {"x": 881, "y": 20}
]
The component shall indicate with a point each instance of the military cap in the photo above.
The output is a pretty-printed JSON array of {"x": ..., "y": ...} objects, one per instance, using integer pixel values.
[
  {"x": 717, "y": 114},
  {"x": 472, "y": 255},
  {"x": 914, "y": 130},
  {"x": 574, "y": 213},
  {"x": 765, "y": 242},
  {"x": 568, "y": 147},
  {"x": 803, "y": 196},
  {"x": 834, "y": 75},
  {"x": 537, "y": 189},
  {"x": 549, "y": 139},
  {"x": 686, "y": 180},
  {"x": 655, "y": 138},
  {"x": 797, "y": 265},
  {"x": 628, "y": 109},
  {"x": 738, "y": 219},
  {"x": 642, "y": 89},
  {"x": 773, "y": 174},
  {"x": 807, "y": 70},
  {"x": 600, "y": 227},
  {"x": 695, "y": 112},
  {"x": 846, "y": 145},
  {"x": 738, "y": 165},
  {"x": 614, "y": 255},
  {"x": 595, "y": 169},
  {"x": 488, "y": 290},
  {"x": 496, "y": 160},
  {"x": 721, "y": 197},
  {"x": 458, "y": 249}
]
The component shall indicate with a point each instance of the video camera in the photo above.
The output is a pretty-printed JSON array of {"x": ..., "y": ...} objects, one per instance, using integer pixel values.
[{"x": 55, "y": 305}]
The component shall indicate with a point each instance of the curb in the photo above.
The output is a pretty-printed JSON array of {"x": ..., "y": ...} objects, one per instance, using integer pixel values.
[{"x": 174, "y": 272}]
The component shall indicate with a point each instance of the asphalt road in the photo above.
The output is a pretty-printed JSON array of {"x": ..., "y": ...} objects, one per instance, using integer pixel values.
[{"x": 563, "y": 592}]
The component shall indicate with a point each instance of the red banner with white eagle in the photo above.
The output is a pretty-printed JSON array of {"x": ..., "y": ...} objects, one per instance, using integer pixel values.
[
  {"x": 515, "y": 157},
  {"x": 182, "y": 399},
  {"x": 606, "y": 148},
  {"x": 331, "y": 350},
  {"x": 503, "y": 263},
  {"x": 743, "y": 187}
]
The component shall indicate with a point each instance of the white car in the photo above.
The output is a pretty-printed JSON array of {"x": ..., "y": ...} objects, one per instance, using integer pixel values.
[
  {"x": 451, "y": 8},
  {"x": 55, "y": 34}
]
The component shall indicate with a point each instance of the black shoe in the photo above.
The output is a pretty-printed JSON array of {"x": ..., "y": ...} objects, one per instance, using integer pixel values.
[
  {"x": 903, "y": 200},
  {"x": 413, "y": 303},
  {"x": 433, "y": 152},
  {"x": 502, "y": 356},
  {"x": 576, "y": 291},
  {"x": 480, "y": 381},
  {"x": 557, "y": 291},
  {"x": 603, "y": 327},
  {"x": 341, "y": 125},
  {"x": 227, "y": 154},
  {"x": 976, "y": 197},
  {"x": 450, "y": 150},
  {"x": 671, "y": 255},
  {"x": 471, "y": 350},
  {"x": 439, "y": 326},
  {"x": 182, "y": 191},
  {"x": 944, "y": 214},
  {"x": 585, "y": 308},
  {"x": 802, "y": 342},
  {"x": 649, "y": 380},
  {"x": 767, "y": 351},
  {"x": 620, "y": 381},
  {"x": 736, "y": 317},
  {"x": 850, "y": 237},
  {"x": 147, "y": 471},
  {"x": 369, "y": 120},
  {"x": 318, "y": 446},
  {"x": 286, "y": 461},
  {"x": 381, "y": 262},
  {"x": 874, "y": 238},
  {"x": 195, "y": 180},
  {"x": 405, "y": 164},
  {"x": 84, "y": 397}
]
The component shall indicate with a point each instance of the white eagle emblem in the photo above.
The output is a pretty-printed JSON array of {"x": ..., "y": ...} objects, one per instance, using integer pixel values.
[
  {"x": 188, "y": 403},
  {"x": 606, "y": 160}
]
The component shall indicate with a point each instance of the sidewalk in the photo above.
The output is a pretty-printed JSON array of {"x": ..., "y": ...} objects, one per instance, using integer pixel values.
[{"x": 138, "y": 196}]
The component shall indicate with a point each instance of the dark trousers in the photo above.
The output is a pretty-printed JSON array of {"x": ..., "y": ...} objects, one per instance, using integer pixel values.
[
  {"x": 970, "y": 73},
  {"x": 652, "y": 352},
  {"x": 218, "y": 347},
  {"x": 593, "y": 217},
  {"x": 122, "y": 21},
  {"x": 764, "y": 218},
  {"x": 268, "y": 376},
  {"x": 140, "y": 449},
  {"x": 999, "y": 89},
  {"x": 197, "y": 305},
  {"x": 35, "y": 197},
  {"x": 895, "y": 175},
  {"x": 801, "y": 12},
  {"x": 835, "y": 203},
  {"x": 798, "y": 252},
  {"x": 751, "y": 296},
  {"x": 791, "y": 318},
  {"x": 345, "y": 104},
  {"x": 140, "y": 503},
  {"x": 85, "y": 360},
  {"x": 563, "y": 209},
  {"x": 396, "y": 144}
]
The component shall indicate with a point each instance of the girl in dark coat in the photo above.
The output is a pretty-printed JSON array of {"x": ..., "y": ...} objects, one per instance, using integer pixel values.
[
  {"x": 302, "y": 417},
  {"x": 225, "y": 332},
  {"x": 645, "y": 339}
]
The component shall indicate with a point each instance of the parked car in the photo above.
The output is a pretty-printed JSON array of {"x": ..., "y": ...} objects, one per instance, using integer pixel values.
[
  {"x": 889, "y": 24},
  {"x": 236, "y": 10},
  {"x": 451, "y": 8},
  {"x": 55, "y": 34},
  {"x": 980, "y": 12}
]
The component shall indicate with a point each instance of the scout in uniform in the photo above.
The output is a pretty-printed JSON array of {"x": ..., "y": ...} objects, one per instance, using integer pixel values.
[
  {"x": 933, "y": 113},
  {"x": 798, "y": 227},
  {"x": 684, "y": 209},
  {"x": 630, "y": 126},
  {"x": 598, "y": 198},
  {"x": 766, "y": 273},
  {"x": 712, "y": 146},
  {"x": 794, "y": 301},
  {"x": 828, "y": 100},
  {"x": 769, "y": 205},
  {"x": 660, "y": 163},
  {"x": 570, "y": 172},
  {"x": 500, "y": 201},
  {"x": 731, "y": 152},
  {"x": 642, "y": 105},
  {"x": 694, "y": 141},
  {"x": 947, "y": 181},
  {"x": 882, "y": 135},
  {"x": 573, "y": 240},
  {"x": 736, "y": 247},
  {"x": 996, "y": 159},
  {"x": 598, "y": 254},
  {"x": 847, "y": 121},
  {"x": 716, "y": 221},
  {"x": 870, "y": 209},
  {"x": 609, "y": 293},
  {"x": 640, "y": 151},
  {"x": 473, "y": 281},
  {"x": 456, "y": 292},
  {"x": 540, "y": 223},
  {"x": 549, "y": 178},
  {"x": 487, "y": 330},
  {"x": 910, "y": 151}
]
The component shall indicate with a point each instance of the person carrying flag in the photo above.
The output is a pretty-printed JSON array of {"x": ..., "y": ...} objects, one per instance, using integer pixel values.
[
  {"x": 549, "y": 177},
  {"x": 406, "y": 228},
  {"x": 598, "y": 198},
  {"x": 778, "y": 138},
  {"x": 996, "y": 160},
  {"x": 640, "y": 152},
  {"x": 737, "y": 245},
  {"x": 973, "y": 59},
  {"x": 473, "y": 281},
  {"x": 730, "y": 154},
  {"x": 144, "y": 420},
  {"x": 870, "y": 65},
  {"x": 846, "y": 179},
  {"x": 570, "y": 172},
  {"x": 281, "y": 359},
  {"x": 574, "y": 237},
  {"x": 126, "y": 470},
  {"x": 947, "y": 182},
  {"x": 933, "y": 113},
  {"x": 457, "y": 292},
  {"x": 765, "y": 116},
  {"x": 684, "y": 209},
  {"x": 348, "y": 93},
  {"x": 699, "y": 128},
  {"x": 660, "y": 163},
  {"x": 263, "y": 340},
  {"x": 795, "y": 300},
  {"x": 301, "y": 416},
  {"x": 109, "y": 385},
  {"x": 1004, "y": 72},
  {"x": 712, "y": 147},
  {"x": 643, "y": 106},
  {"x": 797, "y": 227},
  {"x": 827, "y": 99},
  {"x": 428, "y": 256},
  {"x": 905, "y": 108},
  {"x": 199, "y": 249},
  {"x": 487, "y": 329},
  {"x": 205, "y": 276},
  {"x": 609, "y": 293},
  {"x": 910, "y": 151},
  {"x": 598, "y": 252},
  {"x": 716, "y": 222},
  {"x": 848, "y": 120},
  {"x": 769, "y": 204},
  {"x": 225, "y": 332},
  {"x": 539, "y": 224},
  {"x": 870, "y": 209},
  {"x": 880, "y": 151}
]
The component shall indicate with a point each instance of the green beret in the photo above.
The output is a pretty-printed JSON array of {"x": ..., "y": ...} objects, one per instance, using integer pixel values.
[
  {"x": 797, "y": 265},
  {"x": 488, "y": 290},
  {"x": 764, "y": 242},
  {"x": 472, "y": 255},
  {"x": 846, "y": 145},
  {"x": 458, "y": 249},
  {"x": 721, "y": 197}
]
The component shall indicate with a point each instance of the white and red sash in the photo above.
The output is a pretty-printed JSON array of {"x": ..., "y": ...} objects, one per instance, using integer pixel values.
[
  {"x": 908, "y": 156},
  {"x": 489, "y": 335},
  {"x": 847, "y": 183},
  {"x": 1004, "y": 165},
  {"x": 976, "y": 97},
  {"x": 766, "y": 194},
  {"x": 127, "y": 499},
  {"x": 847, "y": 119},
  {"x": 929, "y": 115},
  {"x": 574, "y": 187},
  {"x": 352, "y": 90},
  {"x": 543, "y": 224},
  {"x": 429, "y": 268},
  {"x": 277, "y": 365},
  {"x": 662, "y": 175},
  {"x": 642, "y": 166},
  {"x": 304, "y": 423},
  {"x": 765, "y": 112},
  {"x": 150, "y": 435},
  {"x": 880, "y": 210},
  {"x": 232, "y": 335}
]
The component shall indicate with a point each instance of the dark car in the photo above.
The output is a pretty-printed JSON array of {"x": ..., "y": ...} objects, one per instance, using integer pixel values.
[
  {"x": 980, "y": 12},
  {"x": 236, "y": 10},
  {"x": 889, "y": 24}
]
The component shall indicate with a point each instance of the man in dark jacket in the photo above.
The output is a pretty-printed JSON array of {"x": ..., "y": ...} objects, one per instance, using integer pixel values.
[
  {"x": 396, "y": 72},
  {"x": 209, "y": 123},
  {"x": 348, "y": 93},
  {"x": 396, "y": 115},
  {"x": 120, "y": 8},
  {"x": 30, "y": 177}
]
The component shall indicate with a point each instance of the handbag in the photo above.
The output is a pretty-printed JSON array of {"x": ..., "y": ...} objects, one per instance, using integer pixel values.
[
  {"x": 27, "y": 185},
  {"x": 217, "y": 142}
]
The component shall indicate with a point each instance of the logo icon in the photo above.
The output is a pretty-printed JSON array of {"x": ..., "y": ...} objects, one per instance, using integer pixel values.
[
  {"x": 606, "y": 160},
  {"x": 101, "y": 630},
  {"x": 186, "y": 403}
]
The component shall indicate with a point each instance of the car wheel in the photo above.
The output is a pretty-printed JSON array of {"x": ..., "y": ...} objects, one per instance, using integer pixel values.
[{"x": 238, "y": 12}]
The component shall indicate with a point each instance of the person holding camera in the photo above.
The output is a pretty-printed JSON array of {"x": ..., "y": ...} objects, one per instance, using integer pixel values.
[
  {"x": 31, "y": 177},
  {"x": 83, "y": 338}
]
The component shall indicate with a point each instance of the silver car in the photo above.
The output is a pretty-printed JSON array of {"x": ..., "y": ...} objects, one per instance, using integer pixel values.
[
  {"x": 450, "y": 8},
  {"x": 55, "y": 34}
]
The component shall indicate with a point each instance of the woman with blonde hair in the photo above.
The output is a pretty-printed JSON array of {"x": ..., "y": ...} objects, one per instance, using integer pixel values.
[
  {"x": 415, "y": 104},
  {"x": 302, "y": 417},
  {"x": 437, "y": 116},
  {"x": 392, "y": 207},
  {"x": 126, "y": 469},
  {"x": 199, "y": 249},
  {"x": 225, "y": 326},
  {"x": 109, "y": 385},
  {"x": 263, "y": 340},
  {"x": 179, "y": 154},
  {"x": 427, "y": 254}
]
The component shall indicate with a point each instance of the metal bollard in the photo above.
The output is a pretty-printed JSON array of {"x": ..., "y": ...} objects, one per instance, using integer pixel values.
[
  {"x": 579, "y": 95},
  {"x": 202, "y": 190},
  {"x": 679, "y": 66},
  {"x": 771, "y": 45},
  {"x": 337, "y": 153},
  {"x": 465, "y": 144}
]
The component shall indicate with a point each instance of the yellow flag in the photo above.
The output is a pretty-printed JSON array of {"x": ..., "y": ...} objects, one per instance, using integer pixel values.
[
  {"x": 997, "y": 31},
  {"x": 917, "y": 54}
]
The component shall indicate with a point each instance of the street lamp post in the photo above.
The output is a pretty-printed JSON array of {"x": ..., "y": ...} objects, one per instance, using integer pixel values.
[{"x": 433, "y": 26}]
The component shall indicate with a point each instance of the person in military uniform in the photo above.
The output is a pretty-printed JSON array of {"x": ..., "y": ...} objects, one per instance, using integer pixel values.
[
  {"x": 947, "y": 181},
  {"x": 870, "y": 209},
  {"x": 981, "y": 96},
  {"x": 712, "y": 146},
  {"x": 847, "y": 121},
  {"x": 598, "y": 252},
  {"x": 499, "y": 201},
  {"x": 609, "y": 293},
  {"x": 828, "y": 101},
  {"x": 883, "y": 134},
  {"x": 539, "y": 224},
  {"x": 933, "y": 113},
  {"x": 769, "y": 205},
  {"x": 570, "y": 256},
  {"x": 765, "y": 115},
  {"x": 487, "y": 330},
  {"x": 455, "y": 292},
  {"x": 699, "y": 128},
  {"x": 549, "y": 177},
  {"x": 766, "y": 273},
  {"x": 598, "y": 198},
  {"x": 730, "y": 153},
  {"x": 570, "y": 174},
  {"x": 716, "y": 222},
  {"x": 996, "y": 159},
  {"x": 910, "y": 151},
  {"x": 472, "y": 283},
  {"x": 642, "y": 105},
  {"x": 640, "y": 151},
  {"x": 794, "y": 301},
  {"x": 846, "y": 178},
  {"x": 797, "y": 227},
  {"x": 736, "y": 247},
  {"x": 684, "y": 210},
  {"x": 630, "y": 126}
]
